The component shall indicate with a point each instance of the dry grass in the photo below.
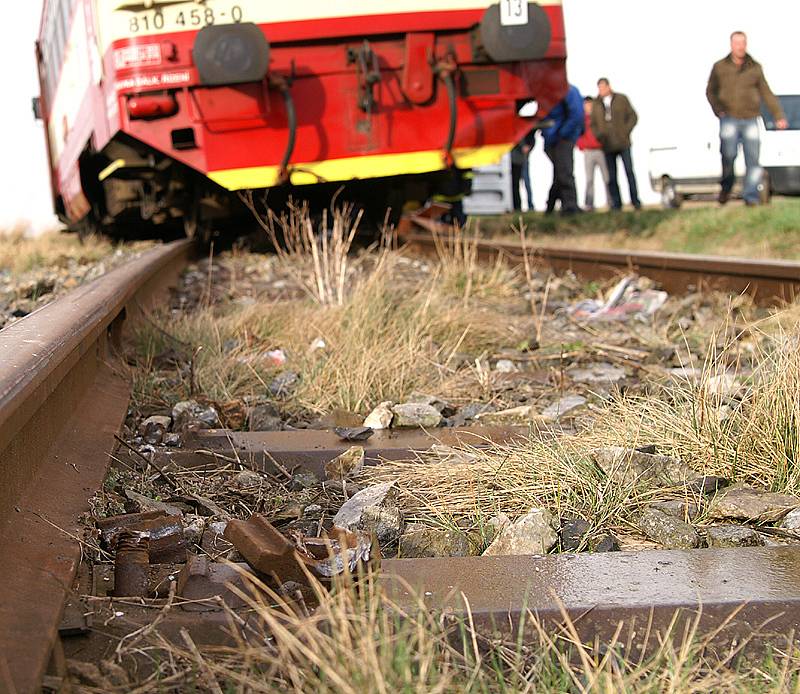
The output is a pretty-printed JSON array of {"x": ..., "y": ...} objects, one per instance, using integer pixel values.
[
  {"x": 750, "y": 435},
  {"x": 318, "y": 258},
  {"x": 359, "y": 640},
  {"x": 463, "y": 275},
  {"x": 382, "y": 343},
  {"x": 387, "y": 330},
  {"x": 20, "y": 253}
]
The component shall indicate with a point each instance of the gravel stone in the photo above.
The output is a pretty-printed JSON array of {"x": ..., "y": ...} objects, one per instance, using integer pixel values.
[
  {"x": 733, "y": 536},
  {"x": 531, "y": 534},
  {"x": 413, "y": 414},
  {"x": 629, "y": 466},
  {"x": 741, "y": 502},
  {"x": 667, "y": 530},
  {"x": 433, "y": 543}
]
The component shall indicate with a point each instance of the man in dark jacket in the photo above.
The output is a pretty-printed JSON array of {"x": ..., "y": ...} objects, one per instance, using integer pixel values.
[
  {"x": 736, "y": 88},
  {"x": 613, "y": 120},
  {"x": 566, "y": 126}
]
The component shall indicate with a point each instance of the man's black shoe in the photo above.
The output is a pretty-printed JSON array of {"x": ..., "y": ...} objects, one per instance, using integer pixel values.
[{"x": 723, "y": 197}]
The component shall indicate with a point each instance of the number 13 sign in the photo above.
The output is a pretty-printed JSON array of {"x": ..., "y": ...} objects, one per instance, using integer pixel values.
[{"x": 513, "y": 12}]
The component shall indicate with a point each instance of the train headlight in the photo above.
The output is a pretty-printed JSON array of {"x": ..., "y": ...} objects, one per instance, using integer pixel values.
[
  {"x": 512, "y": 30},
  {"x": 231, "y": 54}
]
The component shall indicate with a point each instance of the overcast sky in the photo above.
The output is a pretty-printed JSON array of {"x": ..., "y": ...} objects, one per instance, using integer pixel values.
[{"x": 658, "y": 53}]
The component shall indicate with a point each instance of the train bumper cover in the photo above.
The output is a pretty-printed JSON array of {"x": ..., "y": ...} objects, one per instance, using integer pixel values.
[
  {"x": 508, "y": 43},
  {"x": 231, "y": 54}
]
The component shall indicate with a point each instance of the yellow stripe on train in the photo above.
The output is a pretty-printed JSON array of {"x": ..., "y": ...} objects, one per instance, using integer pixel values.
[{"x": 373, "y": 166}]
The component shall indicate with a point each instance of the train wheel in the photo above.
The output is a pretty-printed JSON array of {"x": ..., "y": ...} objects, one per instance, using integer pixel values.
[{"x": 89, "y": 227}]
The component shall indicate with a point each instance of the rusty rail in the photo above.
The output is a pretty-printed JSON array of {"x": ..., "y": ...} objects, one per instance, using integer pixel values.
[
  {"x": 62, "y": 399},
  {"x": 750, "y": 594},
  {"x": 767, "y": 281}
]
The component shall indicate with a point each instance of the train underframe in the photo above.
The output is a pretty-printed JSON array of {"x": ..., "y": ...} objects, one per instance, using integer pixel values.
[{"x": 155, "y": 196}]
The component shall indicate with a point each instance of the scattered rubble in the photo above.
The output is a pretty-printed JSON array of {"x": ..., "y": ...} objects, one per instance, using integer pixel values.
[
  {"x": 284, "y": 384},
  {"x": 630, "y": 467},
  {"x": 348, "y": 464},
  {"x": 632, "y": 297},
  {"x": 573, "y": 533},
  {"x": 381, "y": 417},
  {"x": 430, "y": 542},
  {"x": 668, "y": 530},
  {"x": 733, "y": 536},
  {"x": 601, "y": 373},
  {"x": 505, "y": 366},
  {"x": 416, "y": 415},
  {"x": 791, "y": 521},
  {"x": 353, "y": 433},
  {"x": 563, "y": 407},
  {"x": 524, "y": 414},
  {"x": 741, "y": 502},
  {"x": 531, "y": 534},
  {"x": 190, "y": 413},
  {"x": 373, "y": 510}
]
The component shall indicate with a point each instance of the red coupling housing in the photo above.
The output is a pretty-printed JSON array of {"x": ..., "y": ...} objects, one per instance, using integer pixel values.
[{"x": 152, "y": 106}]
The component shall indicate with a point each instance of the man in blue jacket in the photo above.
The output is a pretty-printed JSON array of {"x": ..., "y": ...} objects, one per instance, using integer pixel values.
[{"x": 567, "y": 124}]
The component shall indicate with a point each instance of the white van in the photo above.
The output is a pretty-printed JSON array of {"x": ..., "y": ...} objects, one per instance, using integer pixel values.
[{"x": 692, "y": 169}]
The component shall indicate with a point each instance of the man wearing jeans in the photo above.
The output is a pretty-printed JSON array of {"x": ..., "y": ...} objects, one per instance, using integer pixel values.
[
  {"x": 735, "y": 91},
  {"x": 593, "y": 156},
  {"x": 613, "y": 120},
  {"x": 564, "y": 128}
]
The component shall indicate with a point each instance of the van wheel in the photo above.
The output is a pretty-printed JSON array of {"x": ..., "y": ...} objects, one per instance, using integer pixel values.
[
  {"x": 764, "y": 189},
  {"x": 671, "y": 199}
]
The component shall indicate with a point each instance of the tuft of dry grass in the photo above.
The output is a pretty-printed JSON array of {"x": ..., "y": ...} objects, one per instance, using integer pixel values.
[
  {"x": 464, "y": 275},
  {"x": 380, "y": 344}
]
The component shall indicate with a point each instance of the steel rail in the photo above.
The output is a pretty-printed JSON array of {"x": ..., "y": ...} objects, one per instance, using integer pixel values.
[
  {"x": 62, "y": 399},
  {"x": 748, "y": 596},
  {"x": 767, "y": 281}
]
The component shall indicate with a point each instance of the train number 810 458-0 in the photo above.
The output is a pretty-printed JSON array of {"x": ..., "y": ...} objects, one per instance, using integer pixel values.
[{"x": 179, "y": 20}]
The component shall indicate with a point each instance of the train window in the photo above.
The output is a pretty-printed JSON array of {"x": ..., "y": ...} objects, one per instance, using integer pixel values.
[{"x": 56, "y": 35}]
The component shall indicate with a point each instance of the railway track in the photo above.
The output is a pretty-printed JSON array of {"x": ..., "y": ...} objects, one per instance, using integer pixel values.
[
  {"x": 767, "y": 281},
  {"x": 62, "y": 401}
]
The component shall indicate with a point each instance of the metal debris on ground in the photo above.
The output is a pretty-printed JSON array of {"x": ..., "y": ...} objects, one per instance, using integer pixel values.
[
  {"x": 288, "y": 559},
  {"x": 166, "y": 541},
  {"x": 630, "y": 298},
  {"x": 353, "y": 433}
]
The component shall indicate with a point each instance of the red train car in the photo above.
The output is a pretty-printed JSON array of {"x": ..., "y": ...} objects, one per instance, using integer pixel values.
[{"x": 158, "y": 111}]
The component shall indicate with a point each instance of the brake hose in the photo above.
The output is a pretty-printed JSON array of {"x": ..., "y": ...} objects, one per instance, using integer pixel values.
[{"x": 291, "y": 117}]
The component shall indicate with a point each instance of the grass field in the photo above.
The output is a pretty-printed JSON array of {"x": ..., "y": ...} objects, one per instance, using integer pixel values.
[{"x": 771, "y": 231}]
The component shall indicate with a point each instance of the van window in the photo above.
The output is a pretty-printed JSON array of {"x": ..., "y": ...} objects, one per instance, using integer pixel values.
[{"x": 791, "y": 107}]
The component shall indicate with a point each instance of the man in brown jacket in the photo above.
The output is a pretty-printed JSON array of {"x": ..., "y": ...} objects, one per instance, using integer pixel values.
[
  {"x": 613, "y": 120},
  {"x": 736, "y": 88}
]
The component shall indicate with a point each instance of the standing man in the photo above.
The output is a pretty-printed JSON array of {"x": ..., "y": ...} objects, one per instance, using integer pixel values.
[
  {"x": 559, "y": 145},
  {"x": 736, "y": 88},
  {"x": 593, "y": 157},
  {"x": 520, "y": 169},
  {"x": 613, "y": 120}
]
